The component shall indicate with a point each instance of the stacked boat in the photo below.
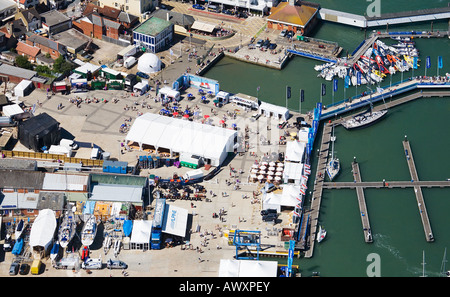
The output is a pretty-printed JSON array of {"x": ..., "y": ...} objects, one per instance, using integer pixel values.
[{"x": 374, "y": 64}]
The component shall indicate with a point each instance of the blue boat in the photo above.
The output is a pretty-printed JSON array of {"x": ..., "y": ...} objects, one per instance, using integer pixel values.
[
  {"x": 55, "y": 250},
  {"x": 127, "y": 227},
  {"x": 18, "y": 247}
]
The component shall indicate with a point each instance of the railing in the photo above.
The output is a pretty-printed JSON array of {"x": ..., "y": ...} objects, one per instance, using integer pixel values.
[{"x": 54, "y": 157}]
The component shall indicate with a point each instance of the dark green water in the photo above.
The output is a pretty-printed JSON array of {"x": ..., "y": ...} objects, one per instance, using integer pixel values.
[{"x": 399, "y": 239}]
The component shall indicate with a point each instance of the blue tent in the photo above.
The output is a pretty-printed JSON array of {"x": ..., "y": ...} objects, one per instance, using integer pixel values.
[{"x": 127, "y": 227}]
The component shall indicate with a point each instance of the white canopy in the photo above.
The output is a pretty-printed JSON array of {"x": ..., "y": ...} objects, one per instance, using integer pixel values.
[
  {"x": 181, "y": 136},
  {"x": 149, "y": 63},
  {"x": 294, "y": 151},
  {"x": 202, "y": 26},
  {"x": 275, "y": 111},
  {"x": 11, "y": 110},
  {"x": 287, "y": 198},
  {"x": 142, "y": 230},
  {"x": 247, "y": 268},
  {"x": 20, "y": 89},
  {"x": 43, "y": 229},
  {"x": 292, "y": 171},
  {"x": 117, "y": 193},
  {"x": 175, "y": 220}
]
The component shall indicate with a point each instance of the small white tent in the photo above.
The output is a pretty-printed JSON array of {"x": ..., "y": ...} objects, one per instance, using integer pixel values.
[
  {"x": 23, "y": 88},
  {"x": 294, "y": 151},
  {"x": 274, "y": 111},
  {"x": 149, "y": 63},
  {"x": 140, "y": 236}
]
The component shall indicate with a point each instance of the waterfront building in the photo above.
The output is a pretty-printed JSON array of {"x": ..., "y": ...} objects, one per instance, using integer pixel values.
[
  {"x": 134, "y": 7},
  {"x": 252, "y": 6},
  {"x": 154, "y": 34},
  {"x": 291, "y": 16},
  {"x": 8, "y": 9}
]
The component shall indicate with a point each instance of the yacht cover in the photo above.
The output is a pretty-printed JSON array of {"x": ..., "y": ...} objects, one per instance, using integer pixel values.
[{"x": 43, "y": 228}]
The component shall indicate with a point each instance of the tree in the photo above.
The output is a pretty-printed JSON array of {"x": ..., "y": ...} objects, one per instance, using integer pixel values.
[
  {"x": 22, "y": 62},
  {"x": 61, "y": 65}
]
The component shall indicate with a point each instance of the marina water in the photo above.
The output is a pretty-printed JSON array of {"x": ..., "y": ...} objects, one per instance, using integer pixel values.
[{"x": 399, "y": 239}]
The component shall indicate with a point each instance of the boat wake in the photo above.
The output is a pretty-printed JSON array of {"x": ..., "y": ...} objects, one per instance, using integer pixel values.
[{"x": 382, "y": 241}]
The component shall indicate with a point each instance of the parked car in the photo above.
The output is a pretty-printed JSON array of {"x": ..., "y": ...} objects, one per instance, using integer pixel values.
[
  {"x": 92, "y": 264},
  {"x": 14, "y": 268},
  {"x": 142, "y": 74},
  {"x": 24, "y": 269},
  {"x": 270, "y": 217},
  {"x": 289, "y": 34},
  {"x": 272, "y": 46},
  {"x": 116, "y": 264},
  {"x": 321, "y": 46},
  {"x": 227, "y": 11},
  {"x": 266, "y": 44},
  {"x": 283, "y": 33},
  {"x": 268, "y": 211},
  {"x": 259, "y": 43},
  {"x": 198, "y": 6}
]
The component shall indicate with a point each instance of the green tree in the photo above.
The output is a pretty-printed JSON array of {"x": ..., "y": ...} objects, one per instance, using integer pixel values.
[
  {"x": 61, "y": 65},
  {"x": 22, "y": 62}
]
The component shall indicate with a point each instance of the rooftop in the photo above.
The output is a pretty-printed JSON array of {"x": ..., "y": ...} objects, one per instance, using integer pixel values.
[
  {"x": 153, "y": 26},
  {"x": 298, "y": 15}
]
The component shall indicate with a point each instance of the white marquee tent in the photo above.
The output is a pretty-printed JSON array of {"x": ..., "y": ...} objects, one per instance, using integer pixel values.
[
  {"x": 275, "y": 111},
  {"x": 141, "y": 234},
  {"x": 288, "y": 198},
  {"x": 182, "y": 136},
  {"x": 247, "y": 268},
  {"x": 294, "y": 151},
  {"x": 292, "y": 172}
]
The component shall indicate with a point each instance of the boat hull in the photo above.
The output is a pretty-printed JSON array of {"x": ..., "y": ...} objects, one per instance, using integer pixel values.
[{"x": 355, "y": 124}]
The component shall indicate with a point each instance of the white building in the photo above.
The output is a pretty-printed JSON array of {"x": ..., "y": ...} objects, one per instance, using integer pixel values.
[
  {"x": 8, "y": 9},
  {"x": 154, "y": 34},
  {"x": 134, "y": 7},
  {"x": 211, "y": 143}
]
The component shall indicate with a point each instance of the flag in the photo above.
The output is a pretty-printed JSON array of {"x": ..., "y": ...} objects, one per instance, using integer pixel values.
[
  {"x": 428, "y": 62},
  {"x": 307, "y": 166},
  {"x": 302, "y": 95},
  {"x": 335, "y": 84},
  {"x": 302, "y": 192},
  {"x": 304, "y": 187},
  {"x": 347, "y": 81},
  {"x": 379, "y": 90},
  {"x": 305, "y": 177},
  {"x": 299, "y": 198},
  {"x": 296, "y": 213},
  {"x": 288, "y": 92},
  {"x": 358, "y": 78},
  {"x": 307, "y": 171},
  {"x": 171, "y": 52},
  {"x": 415, "y": 59},
  {"x": 324, "y": 89},
  {"x": 440, "y": 62}
]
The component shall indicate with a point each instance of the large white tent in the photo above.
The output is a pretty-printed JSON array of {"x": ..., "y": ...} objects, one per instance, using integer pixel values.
[
  {"x": 294, "y": 151},
  {"x": 247, "y": 268},
  {"x": 288, "y": 198},
  {"x": 274, "y": 111},
  {"x": 182, "y": 136},
  {"x": 149, "y": 63},
  {"x": 140, "y": 236},
  {"x": 175, "y": 220},
  {"x": 292, "y": 172}
]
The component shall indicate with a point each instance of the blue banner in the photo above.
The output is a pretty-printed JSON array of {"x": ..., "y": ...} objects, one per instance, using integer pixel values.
[
  {"x": 428, "y": 62},
  {"x": 335, "y": 84},
  {"x": 358, "y": 78},
  {"x": 415, "y": 59},
  {"x": 319, "y": 107},
  {"x": 440, "y": 62},
  {"x": 324, "y": 89},
  {"x": 347, "y": 81},
  {"x": 291, "y": 255},
  {"x": 315, "y": 126}
]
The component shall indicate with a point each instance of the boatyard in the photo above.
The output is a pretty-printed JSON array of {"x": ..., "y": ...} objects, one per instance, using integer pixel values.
[{"x": 119, "y": 170}]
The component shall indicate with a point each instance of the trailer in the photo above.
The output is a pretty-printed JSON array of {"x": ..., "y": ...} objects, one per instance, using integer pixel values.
[
  {"x": 193, "y": 174},
  {"x": 158, "y": 217},
  {"x": 129, "y": 62},
  {"x": 60, "y": 150}
]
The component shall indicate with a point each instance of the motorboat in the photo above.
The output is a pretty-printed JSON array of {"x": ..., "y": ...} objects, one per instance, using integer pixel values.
[
  {"x": 19, "y": 229},
  {"x": 107, "y": 243},
  {"x": 89, "y": 231},
  {"x": 321, "y": 234},
  {"x": 55, "y": 250},
  {"x": 67, "y": 229}
]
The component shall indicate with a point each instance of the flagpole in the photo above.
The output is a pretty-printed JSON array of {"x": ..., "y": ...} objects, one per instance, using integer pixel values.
[{"x": 300, "y": 103}]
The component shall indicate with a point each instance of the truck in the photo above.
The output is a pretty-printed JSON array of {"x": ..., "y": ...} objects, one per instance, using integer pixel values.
[
  {"x": 158, "y": 217},
  {"x": 193, "y": 174},
  {"x": 68, "y": 143},
  {"x": 35, "y": 266},
  {"x": 129, "y": 62}
]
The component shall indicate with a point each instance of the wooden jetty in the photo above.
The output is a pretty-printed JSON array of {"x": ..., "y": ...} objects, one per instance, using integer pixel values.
[
  {"x": 362, "y": 204},
  {"x": 386, "y": 184},
  {"x": 418, "y": 191},
  {"x": 316, "y": 198}
]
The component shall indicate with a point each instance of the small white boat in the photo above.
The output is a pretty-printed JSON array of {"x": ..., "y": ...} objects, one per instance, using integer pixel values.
[
  {"x": 321, "y": 234},
  {"x": 89, "y": 231},
  {"x": 107, "y": 243},
  {"x": 333, "y": 166},
  {"x": 365, "y": 119},
  {"x": 117, "y": 245}
]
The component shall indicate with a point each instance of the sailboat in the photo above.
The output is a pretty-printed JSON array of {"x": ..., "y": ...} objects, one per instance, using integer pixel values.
[
  {"x": 67, "y": 229},
  {"x": 321, "y": 234},
  {"x": 333, "y": 166},
  {"x": 365, "y": 119},
  {"x": 89, "y": 231},
  {"x": 55, "y": 250}
]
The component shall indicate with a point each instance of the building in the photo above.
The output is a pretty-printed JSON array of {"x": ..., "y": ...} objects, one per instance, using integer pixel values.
[
  {"x": 25, "y": 4},
  {"x": 291, "y": 16},
  {"x": 154, "y": 34},
  {"x": 30, "y": 18},
  {"x": 72, "y": 40},
  {"x": 182, "y": 22},
  {"x": 260, "y": 7},
  {"x": 52, "y": 47},
  {"x": 16, "y": 75},
  {"x": 134, "y": 7},
  {"x": 54, "y": 22},
  {"x": 8, "y": 9},
  {"x": 31, "y": 52}
]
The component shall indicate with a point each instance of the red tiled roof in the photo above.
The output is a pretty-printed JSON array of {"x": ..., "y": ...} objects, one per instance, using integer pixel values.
[{"x": 31, "y": 51}]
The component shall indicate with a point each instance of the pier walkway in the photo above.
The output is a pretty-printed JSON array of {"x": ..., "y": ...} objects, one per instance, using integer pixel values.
[
  {"x": 440, "y": 89},
  {"x": 406, "y": 17},
  {"x": 387, "y": 184},
  {"x": 316, "y": 198},
  {"x": 362, "y": 204},
  {"x": 418, "y": 191}
]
